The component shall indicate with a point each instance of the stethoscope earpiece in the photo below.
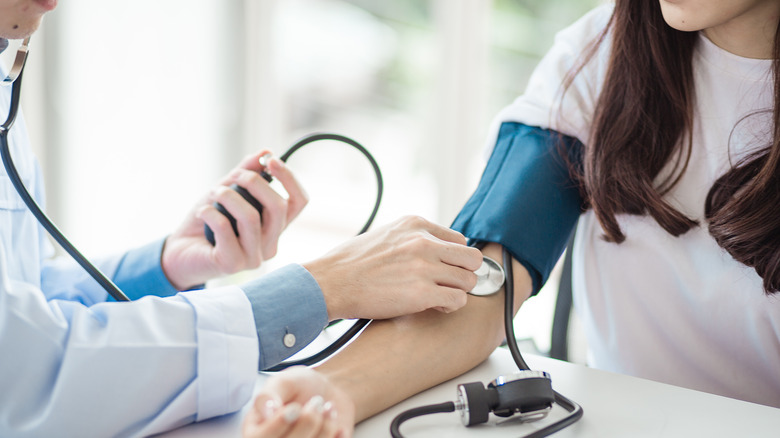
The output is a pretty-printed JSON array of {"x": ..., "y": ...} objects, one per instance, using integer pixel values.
[{"x": 19, "y": 61}]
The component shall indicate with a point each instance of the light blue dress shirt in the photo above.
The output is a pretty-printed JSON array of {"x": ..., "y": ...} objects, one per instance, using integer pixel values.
[
  {"x": 287, "y": 301},
  {"x": 73, "y": 364}
]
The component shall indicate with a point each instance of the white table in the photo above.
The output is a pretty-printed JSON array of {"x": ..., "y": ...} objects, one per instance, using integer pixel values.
[{"x": 615, "y": 406}]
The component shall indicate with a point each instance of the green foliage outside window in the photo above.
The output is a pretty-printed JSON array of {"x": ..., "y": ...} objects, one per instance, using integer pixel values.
[{"x": 521, "y": 31}]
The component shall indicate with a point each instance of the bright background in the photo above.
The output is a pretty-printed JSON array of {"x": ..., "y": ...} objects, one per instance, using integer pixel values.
[{"x": 136, "y": 109}]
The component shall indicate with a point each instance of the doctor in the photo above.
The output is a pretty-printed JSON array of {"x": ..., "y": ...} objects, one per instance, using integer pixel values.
[{"x": 74, "y": 364}]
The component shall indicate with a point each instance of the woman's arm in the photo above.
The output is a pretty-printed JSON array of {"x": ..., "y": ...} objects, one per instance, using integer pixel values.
[
  {"x": 397, "y": 358},
  {"x": 526, "y": 200}
]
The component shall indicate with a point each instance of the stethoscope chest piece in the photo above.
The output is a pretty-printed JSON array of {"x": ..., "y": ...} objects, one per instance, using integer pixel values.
[{"x": 490, "y": 278}]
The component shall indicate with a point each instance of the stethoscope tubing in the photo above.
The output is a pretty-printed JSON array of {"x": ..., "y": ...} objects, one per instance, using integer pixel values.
[
  {"x": 109, "y": 286},
  {"x": 112, "y": 289},
  {"x": 360, "y": 324},
  {"x": 574, "y": 409},
  {"x": 317, "y": 136}
]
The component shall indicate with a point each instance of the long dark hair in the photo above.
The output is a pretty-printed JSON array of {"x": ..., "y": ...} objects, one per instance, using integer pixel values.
[{"x": 643, "y": 122}]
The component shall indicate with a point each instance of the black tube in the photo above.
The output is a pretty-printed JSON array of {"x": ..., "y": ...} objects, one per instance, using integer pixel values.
[
  {"x": 317, "y": 136},
  {"x": 575, "y": 410},
  {"x": 44, "y": 220},
  {"x": 509, "y": 315},
  {"x": 395, "y": 426},
  {"x": 328, "y": 351},
  {"x": 361, "y": 323}
]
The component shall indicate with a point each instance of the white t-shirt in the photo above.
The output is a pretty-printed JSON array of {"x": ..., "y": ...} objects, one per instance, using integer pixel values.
[{"x": 674, "y": 309}]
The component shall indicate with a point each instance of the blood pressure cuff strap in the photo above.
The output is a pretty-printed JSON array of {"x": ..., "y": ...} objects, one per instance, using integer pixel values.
[{"x": 526, "y": 199}]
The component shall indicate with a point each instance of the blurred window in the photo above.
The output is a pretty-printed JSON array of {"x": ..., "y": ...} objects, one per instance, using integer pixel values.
[{"x": 149, "y": 103}]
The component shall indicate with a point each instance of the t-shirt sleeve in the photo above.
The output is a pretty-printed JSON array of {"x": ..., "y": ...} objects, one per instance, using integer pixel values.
[{"x": 547, "y": 102}]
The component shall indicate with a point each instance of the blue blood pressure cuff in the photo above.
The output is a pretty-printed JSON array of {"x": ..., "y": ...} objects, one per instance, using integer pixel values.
[{"x": 526, "y": 199}]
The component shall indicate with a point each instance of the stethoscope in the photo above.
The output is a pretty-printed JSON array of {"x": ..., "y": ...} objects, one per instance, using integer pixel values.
[
  {"x": 15, "y": 78},
  {"x": 527, "y": 394}
]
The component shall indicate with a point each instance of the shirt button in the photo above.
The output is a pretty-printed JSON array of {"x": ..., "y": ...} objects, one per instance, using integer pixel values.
[{"x": 289, "y": 340}]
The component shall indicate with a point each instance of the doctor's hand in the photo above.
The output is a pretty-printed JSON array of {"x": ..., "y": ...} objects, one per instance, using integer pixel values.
[
  {"x": 300, "y": 402},
  {"x": 189, "y": 259},
  {"x": 405, "y": 267}
]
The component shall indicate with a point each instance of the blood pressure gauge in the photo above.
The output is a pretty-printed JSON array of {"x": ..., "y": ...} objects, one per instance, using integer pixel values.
[{"x": 527, "y": 393}]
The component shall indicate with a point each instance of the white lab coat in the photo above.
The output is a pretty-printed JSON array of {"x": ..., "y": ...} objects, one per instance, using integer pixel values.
[{"x": 74, "y": 365}]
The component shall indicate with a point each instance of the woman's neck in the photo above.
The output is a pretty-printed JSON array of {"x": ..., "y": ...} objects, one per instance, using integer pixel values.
[{"x": 750, "y": 35}]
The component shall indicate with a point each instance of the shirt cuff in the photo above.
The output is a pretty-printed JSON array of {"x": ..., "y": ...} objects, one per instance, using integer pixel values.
[
  {"x": 227, "y": 350},
  {"x": 289, "y": 311},
  {"x": 140, "y": 273}
]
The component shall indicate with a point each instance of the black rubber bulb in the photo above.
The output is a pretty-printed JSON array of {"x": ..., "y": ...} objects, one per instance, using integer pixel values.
[{"x": 244, "y": 194}]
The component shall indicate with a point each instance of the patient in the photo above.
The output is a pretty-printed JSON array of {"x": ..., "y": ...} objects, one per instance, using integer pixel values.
[{"x": 676, "y": 106}]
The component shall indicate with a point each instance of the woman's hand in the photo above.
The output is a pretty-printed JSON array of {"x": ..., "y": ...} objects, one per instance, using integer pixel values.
[
  {"x": 189, "y": 259},
  {"x": 405, "y": 267},
  {"x": 300, "y": 402}
]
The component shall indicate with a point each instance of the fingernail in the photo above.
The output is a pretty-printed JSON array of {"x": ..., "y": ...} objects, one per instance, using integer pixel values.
[
  {"x": 264, "y": 159},
  {"x": 292, "y": 412},
  {"x": 270, "y": 408},
  {"x": 279, "y": 163},
  {"x": 316, "y": 404},
  {"x": 329, "y": 410}
]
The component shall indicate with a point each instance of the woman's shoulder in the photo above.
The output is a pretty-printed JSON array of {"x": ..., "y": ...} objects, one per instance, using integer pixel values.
[
  {"x": 587, "y": 28},
  {"x": 542, "y": 103}
]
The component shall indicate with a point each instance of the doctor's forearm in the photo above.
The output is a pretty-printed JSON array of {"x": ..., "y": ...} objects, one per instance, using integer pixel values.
[{"x": 395, "y": 359}]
